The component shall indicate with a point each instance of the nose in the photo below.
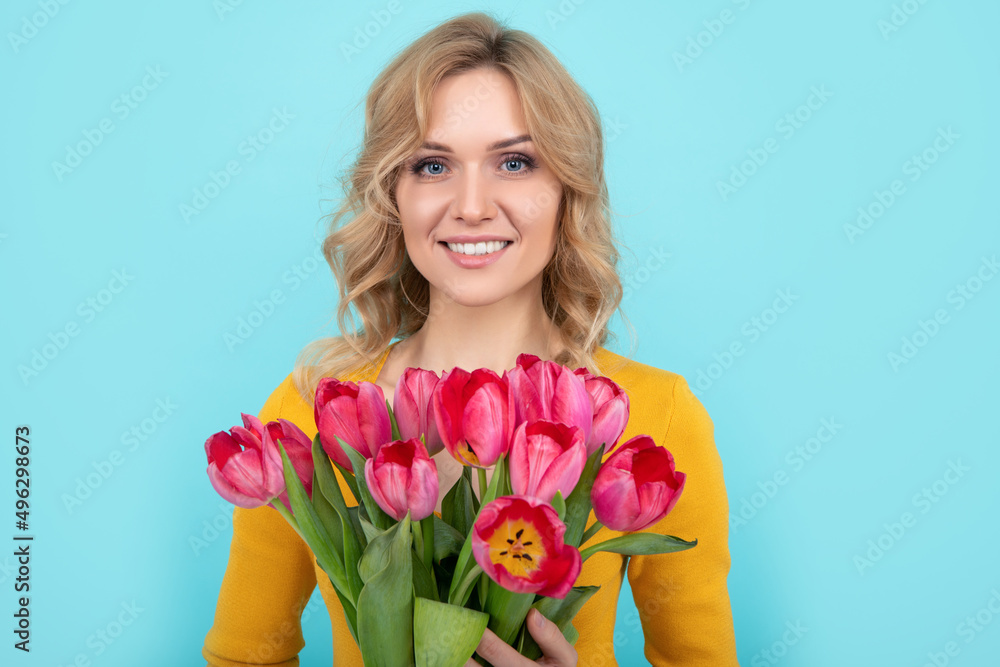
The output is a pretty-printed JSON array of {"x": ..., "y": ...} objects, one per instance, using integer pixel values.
[{"x": 473, "y": 201}]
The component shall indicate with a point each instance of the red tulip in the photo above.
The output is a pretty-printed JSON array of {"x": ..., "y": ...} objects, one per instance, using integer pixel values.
[
  {"x": 411, "y": 406},
  {"x": 611, "y": 410},
  {"x": 546, "y": 457},
  {"x": 298, "y": 446},
  {"x": 473, "y": 415},
  {"x": 547, "y": 390},
  {"x": 402, "y": 477},
  {"x": 241, "y": 468},
  {"x": 356, "y": 413},
  {"x": 636, "y": 486},
  {"x": 518, "y": 542}
]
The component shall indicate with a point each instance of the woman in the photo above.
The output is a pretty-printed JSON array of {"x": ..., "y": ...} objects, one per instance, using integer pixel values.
[{"x": 481, "y": 231}]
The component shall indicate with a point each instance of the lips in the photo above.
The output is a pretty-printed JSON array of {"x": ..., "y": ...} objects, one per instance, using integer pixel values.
[
  {"x": 474, "y": 261},
  {"x": 505, "y": 242}
]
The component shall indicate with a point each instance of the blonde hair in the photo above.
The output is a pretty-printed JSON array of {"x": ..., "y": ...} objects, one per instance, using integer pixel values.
[{"x": 581, "y": 289}]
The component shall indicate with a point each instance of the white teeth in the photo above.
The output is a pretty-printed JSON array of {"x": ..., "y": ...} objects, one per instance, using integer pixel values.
[{"x": 477, "y": 248}]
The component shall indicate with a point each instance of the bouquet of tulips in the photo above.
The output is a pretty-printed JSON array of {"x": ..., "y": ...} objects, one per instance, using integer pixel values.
[{"x": 417, "y": 588}]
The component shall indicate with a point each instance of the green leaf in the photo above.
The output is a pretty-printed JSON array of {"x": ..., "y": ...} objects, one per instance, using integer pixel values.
[
  {"x": 385, "y": 606},
  {"x": 371, "y": 532},
  {"x": 392, "y": 420},
  {"x": 639, "y": 544},
  {"x": 348, "y": 476},
  {"x": 578, "y": 503},
  {"x": 326, "y": 494},
  {"x": 463, "y": 566},
  {"x": 458, "y": 509},
  {"x": 561, "y": 612},
  {"x": 330, "y": 487},
  {"x": 445, "y": 635},
  {"x": 311, "y": 526},
  {"x": 378, "y": 517},
  {"x": 559, "y": 505},
  {"x": 507, "y": 610},
  {"x": 447, "y": 540},
  {"x": 329, "y": 517},
  {"x": 423, "y": 585}
]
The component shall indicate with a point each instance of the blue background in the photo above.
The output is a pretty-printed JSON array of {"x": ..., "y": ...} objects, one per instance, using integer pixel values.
[{"x": 813, "y": 541}]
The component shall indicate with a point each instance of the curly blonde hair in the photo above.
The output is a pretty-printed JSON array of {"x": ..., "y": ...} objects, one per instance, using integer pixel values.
[{"x": 581, "y": 288}]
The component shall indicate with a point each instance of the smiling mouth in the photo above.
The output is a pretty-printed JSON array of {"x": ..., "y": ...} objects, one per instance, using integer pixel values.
[{"x": 476, "y": 249}]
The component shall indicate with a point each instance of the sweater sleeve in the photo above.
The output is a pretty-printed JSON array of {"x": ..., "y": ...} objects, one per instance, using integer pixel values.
[
  {"x": 682, "y": 597},
  {"x": 267, "y": 583}
]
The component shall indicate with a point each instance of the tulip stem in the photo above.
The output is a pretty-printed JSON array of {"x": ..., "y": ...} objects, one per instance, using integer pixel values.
[
  {"x": 460, "y": 595},
  {"x": 427, "y": 528},
  {"x": 591, "y": 550},
  {"x": 591, "y": 531},
  {"x": 285, "y": 512},
  {"x": 482, "y": 483}
]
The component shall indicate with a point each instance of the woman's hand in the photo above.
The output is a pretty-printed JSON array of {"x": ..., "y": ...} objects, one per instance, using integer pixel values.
[{"x": 556, "y": 651}]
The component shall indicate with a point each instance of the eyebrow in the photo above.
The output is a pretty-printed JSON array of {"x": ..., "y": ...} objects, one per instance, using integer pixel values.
[{"x": 495, "y": 146}]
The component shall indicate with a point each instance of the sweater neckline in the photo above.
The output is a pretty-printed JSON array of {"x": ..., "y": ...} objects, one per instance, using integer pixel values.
[{"x": 598, "y": 354}]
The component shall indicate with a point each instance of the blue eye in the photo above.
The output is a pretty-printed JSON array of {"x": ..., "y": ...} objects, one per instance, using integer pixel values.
[{"x": 528, "y": 164}]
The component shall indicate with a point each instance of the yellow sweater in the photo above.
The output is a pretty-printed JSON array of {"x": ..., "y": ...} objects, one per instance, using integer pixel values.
[{"x": 682, "y": 597}]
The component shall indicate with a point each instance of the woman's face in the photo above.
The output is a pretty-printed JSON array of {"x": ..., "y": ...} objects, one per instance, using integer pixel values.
[{"x": 478, "y": 178}]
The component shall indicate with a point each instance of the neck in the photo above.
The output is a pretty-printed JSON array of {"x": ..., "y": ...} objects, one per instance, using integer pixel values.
[{"x": 489, "y": 336}]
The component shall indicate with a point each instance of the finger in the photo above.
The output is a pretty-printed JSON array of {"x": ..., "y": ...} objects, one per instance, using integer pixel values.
[
  {"x": 499, "y": 652},
  {"x": 551, "y": 640}
]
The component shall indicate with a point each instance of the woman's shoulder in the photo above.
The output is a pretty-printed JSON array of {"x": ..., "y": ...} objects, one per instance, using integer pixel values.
[
  {"x": 285, "y": 402},
  {"x": 636, "y": 377},
  {"x": 659, "y": 400}
]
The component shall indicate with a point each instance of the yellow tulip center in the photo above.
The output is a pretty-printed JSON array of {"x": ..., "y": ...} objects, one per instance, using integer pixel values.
[
  {"x": 465, "y": 455},
  {"x": 518, "y": 547}
]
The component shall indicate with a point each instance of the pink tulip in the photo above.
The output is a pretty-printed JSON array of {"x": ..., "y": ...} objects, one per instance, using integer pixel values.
[
  {"x": 411, "y": 406},
  {"x": 473, "y": 415},
  {"x": 356, "y": 413},
  {"x": 241, "y": 469},
  {"x": 611, "y": 410},
  {"x": 403, "y": 478},
  {"x": 546, "y": 457},
  {"x": 547, "y": 390},
  {"x": 298, "y": 446},
  {"x": 518, "y": 542},
  {"x": 636, "y": 486}
]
